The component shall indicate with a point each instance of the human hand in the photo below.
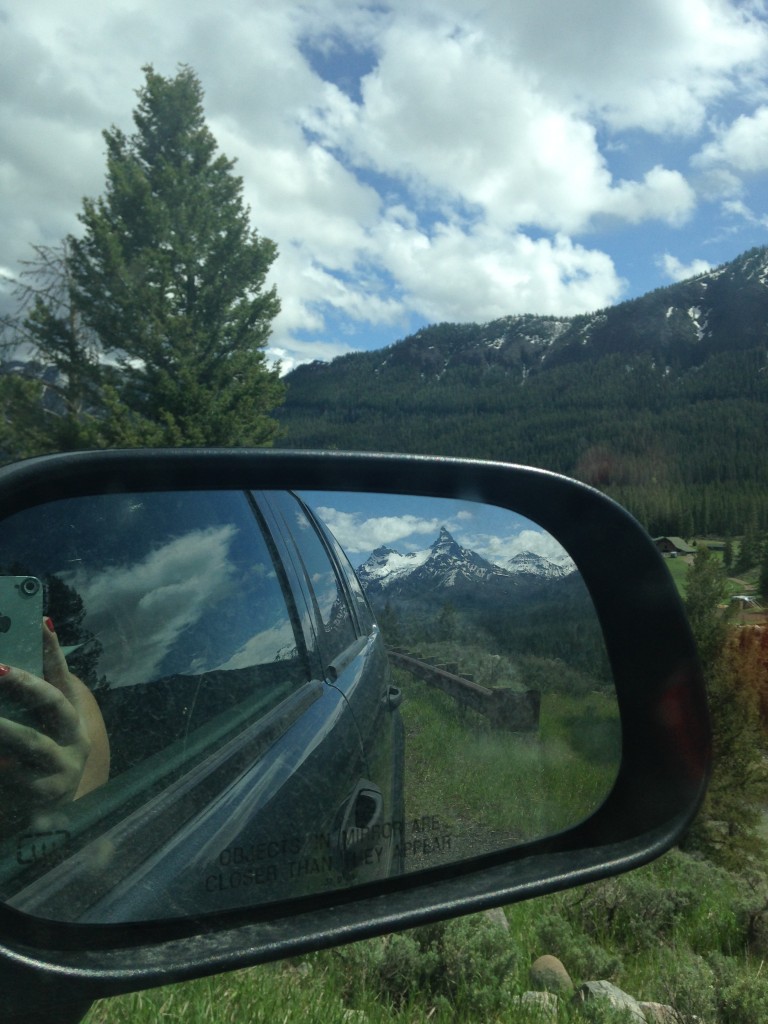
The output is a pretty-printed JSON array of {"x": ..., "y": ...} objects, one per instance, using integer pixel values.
[{"x": 42, "y": 765}]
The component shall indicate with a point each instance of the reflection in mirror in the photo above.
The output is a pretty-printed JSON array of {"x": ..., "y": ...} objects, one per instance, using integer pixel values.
[{"x": 277, "y": 722}]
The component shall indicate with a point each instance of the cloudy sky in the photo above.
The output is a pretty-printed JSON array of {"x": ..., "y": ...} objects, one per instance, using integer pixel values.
[
  {"x": 457, "y": 160},
  {"x": 363, "y": 522}
]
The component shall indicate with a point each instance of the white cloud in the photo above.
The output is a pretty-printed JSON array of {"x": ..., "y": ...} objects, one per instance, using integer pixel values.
[
  {"x": 738, "y": 208},
  {"x": 662, "y": 195},
  {"x": 358, "y": 535},
  {"x": 468, "y": 124},
  {"x": 483, "y": 273},
  {"x": 264, "y": 647},
  {"x": 656, "y": 66},
  {"x": 7, "y": 281},
  {"x": 145, "y": 606},
  {"x": 455, "y": 181},
  {"x": 499, "y": 549},
  {"x": 297, "y": 352},
  {"x": 478, "y": 129},
  {"x": 679, "y": 271},
  {"x": 742, "y": 145}
]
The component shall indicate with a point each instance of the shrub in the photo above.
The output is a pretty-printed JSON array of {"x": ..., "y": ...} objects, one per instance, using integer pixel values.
[
  {"x": 662, "y": 903},
  {"x": 742, "y": 993},
  {"x": 469, "y": 959},
  {"x": 685, "y": 981},
  {"x": 582, "y": 957}
]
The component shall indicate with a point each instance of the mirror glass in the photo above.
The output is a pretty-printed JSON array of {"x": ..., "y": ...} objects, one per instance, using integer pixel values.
[{"x": 254, "y": 696}]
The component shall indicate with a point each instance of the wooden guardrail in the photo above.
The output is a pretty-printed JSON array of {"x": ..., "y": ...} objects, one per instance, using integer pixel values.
[{"x": 512, "y": 710}]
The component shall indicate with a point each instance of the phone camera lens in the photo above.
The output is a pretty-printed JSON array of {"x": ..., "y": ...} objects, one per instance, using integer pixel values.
[{"x": 30, "y": 586}]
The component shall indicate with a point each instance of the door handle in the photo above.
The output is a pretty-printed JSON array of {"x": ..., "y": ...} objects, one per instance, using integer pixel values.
[
  {"x": 363, "y": 812},
  {"x": 393, "y": 698}
]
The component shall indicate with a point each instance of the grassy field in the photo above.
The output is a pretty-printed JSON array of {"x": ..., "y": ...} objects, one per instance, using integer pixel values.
[
  {"x": 492, "y": 788},
  {"x": 746, "y": 583},
  {"x": 681, "y": 931}
]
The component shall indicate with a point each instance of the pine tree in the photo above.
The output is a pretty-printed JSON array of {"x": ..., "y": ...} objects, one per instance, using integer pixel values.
[
  {"x": 728, "y": 554},
  {"x": 168, "y": 286},
  {"x": 749, "y": 551},
  {"x": 49, "y": 400},
  {"x": 704, "y": 590},
  {"x": 727, "y": 826},
  {"x": 763, "y": 579}
]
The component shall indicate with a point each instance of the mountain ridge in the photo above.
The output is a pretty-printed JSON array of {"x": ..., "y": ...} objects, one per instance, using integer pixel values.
[
  {"x": 447, "y": 567},
  {"x": 661, "y": 400}
]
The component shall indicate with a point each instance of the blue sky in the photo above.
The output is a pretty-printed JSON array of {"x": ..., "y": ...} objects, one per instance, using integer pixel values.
[
  {"x": 458, "y": 160},
  {"x": 362, "y": 522}
]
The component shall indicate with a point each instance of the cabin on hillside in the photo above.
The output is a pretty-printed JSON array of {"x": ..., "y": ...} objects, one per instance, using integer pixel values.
[{"x": 671, "y": 547}]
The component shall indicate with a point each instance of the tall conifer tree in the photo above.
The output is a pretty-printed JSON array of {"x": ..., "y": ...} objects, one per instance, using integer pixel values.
[{"x": 169, "y": 278}]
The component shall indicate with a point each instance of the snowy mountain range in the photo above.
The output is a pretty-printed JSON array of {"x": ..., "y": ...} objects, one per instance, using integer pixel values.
[{"x": 446, "y": 567}]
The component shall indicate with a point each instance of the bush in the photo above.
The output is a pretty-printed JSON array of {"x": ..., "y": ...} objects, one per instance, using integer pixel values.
[
  {"x": 662, "y": 903},
  {"x": 469, "y": 959},
  {"x": 583, "y": 958},
  {"x": 742, "y": 993},
  {"x": 685, "y": 981}
]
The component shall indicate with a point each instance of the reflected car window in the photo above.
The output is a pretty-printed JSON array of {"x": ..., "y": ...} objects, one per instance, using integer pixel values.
[
  {"x": 325, "y": 589},
  {"x": 189, "y": 598}
]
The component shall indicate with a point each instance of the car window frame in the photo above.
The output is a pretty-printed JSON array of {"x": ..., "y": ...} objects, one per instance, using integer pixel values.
[{"x": 290, "y": 549}]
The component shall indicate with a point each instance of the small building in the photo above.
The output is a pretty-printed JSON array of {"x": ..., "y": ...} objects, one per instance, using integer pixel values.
[{"x": 673, "y": 546}]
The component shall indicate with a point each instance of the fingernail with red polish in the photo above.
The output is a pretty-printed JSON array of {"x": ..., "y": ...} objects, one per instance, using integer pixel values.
[
  {"x": 49, "y": 623},
  {"x": 4, "y": 670}
]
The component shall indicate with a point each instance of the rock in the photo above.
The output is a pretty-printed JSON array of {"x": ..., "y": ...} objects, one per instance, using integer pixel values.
[
  {"x": 549, "y": 974},
  {"x": 497, "y": 916},
  {"x": 757, "y": 934},
  {"x": 613, "y": 995},
  {"x": 541, "y": 1006},
  {"x": 659, "y": 1013}
]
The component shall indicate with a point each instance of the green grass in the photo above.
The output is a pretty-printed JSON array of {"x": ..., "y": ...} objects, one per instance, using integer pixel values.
[
  {"x": 505, "y": 787},
  {"x": 678, "y": 569},
  {"x": 677, "y": 931},
  {"x": 680, "y": 931},
  {"x": 270, "y": 994}
]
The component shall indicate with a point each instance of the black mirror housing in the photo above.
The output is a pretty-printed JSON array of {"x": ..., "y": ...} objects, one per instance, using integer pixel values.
[{"x": 665, "y": 738}]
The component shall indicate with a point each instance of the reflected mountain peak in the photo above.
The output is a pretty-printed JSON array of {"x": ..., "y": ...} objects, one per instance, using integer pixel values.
[
  {"x": 445, "y": 564},
  {"x": 537, "y": 565},
  {"x": 445, "y": 539}
]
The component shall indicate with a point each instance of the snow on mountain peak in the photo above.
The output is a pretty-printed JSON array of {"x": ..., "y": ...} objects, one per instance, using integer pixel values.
[{"x": 445, "y": 564}]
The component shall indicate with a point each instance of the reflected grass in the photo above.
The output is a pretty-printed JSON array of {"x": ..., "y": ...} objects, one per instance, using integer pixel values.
[{"x": 492, "y": 787}]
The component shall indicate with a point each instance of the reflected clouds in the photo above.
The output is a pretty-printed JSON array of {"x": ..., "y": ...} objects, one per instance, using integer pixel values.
[
  {"x": 500, "y": 549},
  {"x": 497, "y": 541},
  {"x": 144, "y": 606},
  {"x": 277, "y": 643},
  {"x": 357, "y": 534}
]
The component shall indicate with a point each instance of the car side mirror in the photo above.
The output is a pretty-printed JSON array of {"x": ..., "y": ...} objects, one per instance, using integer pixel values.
[{"x": 343, "y": 694}]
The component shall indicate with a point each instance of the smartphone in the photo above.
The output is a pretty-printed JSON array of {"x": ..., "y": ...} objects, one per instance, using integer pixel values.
[{"x": 21, "y": 636}]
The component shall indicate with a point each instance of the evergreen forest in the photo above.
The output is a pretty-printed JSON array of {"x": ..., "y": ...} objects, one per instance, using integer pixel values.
[{"x": 662, "y": 401}]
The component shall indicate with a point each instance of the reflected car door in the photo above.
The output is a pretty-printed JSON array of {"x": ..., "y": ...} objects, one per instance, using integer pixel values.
[
  {"x": 242, "y": 794},
  {"x": 346, "y": 645},
  {"x": 285, "y": 826}
]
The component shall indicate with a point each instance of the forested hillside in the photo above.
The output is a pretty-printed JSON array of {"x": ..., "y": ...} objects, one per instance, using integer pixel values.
[{"x": 661, "y": 401}]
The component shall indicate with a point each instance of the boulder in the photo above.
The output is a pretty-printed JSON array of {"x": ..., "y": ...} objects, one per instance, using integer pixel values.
[
  {"x": 613, "y": 995},
  {"x": 757, "y": 935},
  {"x": 548, "y": 973},
  {"x": 541, "y": 1005}
]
